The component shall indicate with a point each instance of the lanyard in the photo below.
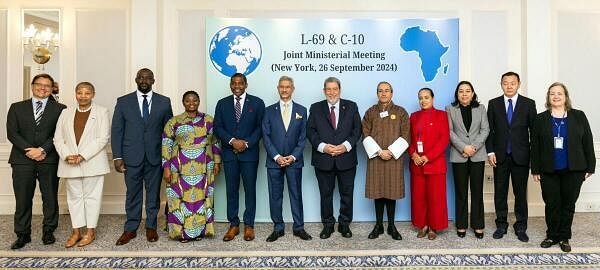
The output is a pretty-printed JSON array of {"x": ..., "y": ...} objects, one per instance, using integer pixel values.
[
  {"x": 421, "y": 124},
  {"x": 559, "y": 124}
]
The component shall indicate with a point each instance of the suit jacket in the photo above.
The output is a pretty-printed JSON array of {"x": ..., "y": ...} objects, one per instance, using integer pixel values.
[
  {"x": 92, "y": 144},
  {"x": 23, "y": 133},
  {"x": 319, "y": 130},
  {"x": 432, "y": 126},
  {"x": 580, "y": 143},
  {"x": 518, "y": 132},
  {"x": 132, "y": 139},
  {"x": 278, "y": 141},
  {"x": 459, "y": 137},
  {"x": 248, "y": 128}
]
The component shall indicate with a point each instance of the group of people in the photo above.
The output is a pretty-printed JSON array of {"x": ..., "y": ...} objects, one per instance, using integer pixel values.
[{"x": 187, "y": 151}]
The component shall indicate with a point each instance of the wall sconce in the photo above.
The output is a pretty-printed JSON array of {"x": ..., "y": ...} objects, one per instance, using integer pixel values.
[{"x": 41, "y": 44}]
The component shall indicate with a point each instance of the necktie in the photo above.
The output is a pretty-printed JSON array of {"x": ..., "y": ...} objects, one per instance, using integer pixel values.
[
  {"x": 238, "y": 109},
  {"x": 332, "y": 117},
  {"x": 286, "y": 116},
  {"x": 509, "y": 115},
  {"x": 38, "y": 112},
  {"x": 145, "y": 108}
]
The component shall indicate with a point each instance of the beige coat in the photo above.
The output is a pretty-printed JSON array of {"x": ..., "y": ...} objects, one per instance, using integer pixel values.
[
  {"x": 385, "y": 178},
  {"x": 92, "y": 145}
]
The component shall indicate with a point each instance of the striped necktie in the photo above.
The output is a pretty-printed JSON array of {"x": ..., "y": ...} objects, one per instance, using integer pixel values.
[
  {"x": 238, "y": 109},
  {"x": 38, "y": 112}
]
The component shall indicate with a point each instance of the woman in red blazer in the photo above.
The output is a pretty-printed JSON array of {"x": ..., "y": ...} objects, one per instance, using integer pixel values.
[{"x": 429, "y": 138}]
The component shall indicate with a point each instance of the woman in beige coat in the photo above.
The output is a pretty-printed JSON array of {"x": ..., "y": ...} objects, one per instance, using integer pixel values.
[{"x": 81, "y": 135}]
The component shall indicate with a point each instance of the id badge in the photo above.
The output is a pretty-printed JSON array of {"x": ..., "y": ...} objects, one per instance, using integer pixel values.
[
  {"x": 558, "y": 142},
  {"x": 383, "y": 114},
  {"x": 420, "y": 147}
]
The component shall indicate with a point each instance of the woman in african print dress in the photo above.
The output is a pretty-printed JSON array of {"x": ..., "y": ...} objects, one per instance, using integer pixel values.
[{"x": 191, "y": 160}]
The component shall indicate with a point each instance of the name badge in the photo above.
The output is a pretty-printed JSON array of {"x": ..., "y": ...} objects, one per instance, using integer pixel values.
[
  {"x": 383, "y": 114},
  {"x": 558, "y": 142},
  {"x": 420, "y": 147}
]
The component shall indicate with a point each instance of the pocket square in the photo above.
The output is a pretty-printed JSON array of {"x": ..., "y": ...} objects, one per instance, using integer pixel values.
[{"x": 298, "y": 116}]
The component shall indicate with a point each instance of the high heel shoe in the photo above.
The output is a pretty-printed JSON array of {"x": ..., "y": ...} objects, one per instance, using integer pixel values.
[
  {"x": 88, "y": 238},
  {"x": 479, "y": 235},
  {"x": 461, "y": 234},
  {"x": 75, "y": 237},
  {"x": 423, "y": 232}
]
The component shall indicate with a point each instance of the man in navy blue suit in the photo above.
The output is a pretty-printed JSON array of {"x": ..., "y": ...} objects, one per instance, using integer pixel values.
[
  {"x": 334, "y": 127},
  {"x": 238, "y": 120},
  {"x": 284, "y": 137},
  {"x": 137, "y": 126}
]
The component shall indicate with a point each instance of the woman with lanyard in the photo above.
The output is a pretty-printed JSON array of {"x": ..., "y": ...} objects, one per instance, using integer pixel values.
[
  {"x": 562, "y": 157},
  {"x": 429, "y": 137}
]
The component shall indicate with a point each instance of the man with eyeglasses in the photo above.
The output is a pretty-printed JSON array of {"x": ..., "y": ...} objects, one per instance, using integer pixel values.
[{"x": 30, "y": 128}]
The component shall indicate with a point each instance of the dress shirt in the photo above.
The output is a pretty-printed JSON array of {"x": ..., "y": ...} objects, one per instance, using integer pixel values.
[
  {"x": 141, "y": 101},
  {"x": 242, "y": 100},
  {"x": 321, "y": 147},
  {"x": 514, "y": 102},
  {"x": 290, "y": 109},
  {"x": 34, "y": 100}
]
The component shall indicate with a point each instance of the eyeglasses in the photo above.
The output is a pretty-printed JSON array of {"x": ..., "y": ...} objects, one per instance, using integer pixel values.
[{"x": 41, "y": 85}]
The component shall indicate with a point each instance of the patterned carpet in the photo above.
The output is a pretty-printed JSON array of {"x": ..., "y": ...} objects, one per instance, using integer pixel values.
[{"x": 446, "y": 251}]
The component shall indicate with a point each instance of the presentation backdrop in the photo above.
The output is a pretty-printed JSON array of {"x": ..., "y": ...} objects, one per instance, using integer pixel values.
[{"x": 408, "y": 53}]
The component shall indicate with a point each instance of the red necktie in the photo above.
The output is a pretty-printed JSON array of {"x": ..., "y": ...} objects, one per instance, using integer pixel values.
[{"x": 332, "y": 117}]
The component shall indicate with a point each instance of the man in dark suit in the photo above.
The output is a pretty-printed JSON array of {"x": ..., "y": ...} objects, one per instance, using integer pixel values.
[
  {"x": 334, "y": 127},
  {"x": 137, "y": 126},
  {"x": 284, "y": 137},
  {"x": 30, "y": 126},
  {"x": 511, "y": 118},
  {"x": 238, "y": 121}
]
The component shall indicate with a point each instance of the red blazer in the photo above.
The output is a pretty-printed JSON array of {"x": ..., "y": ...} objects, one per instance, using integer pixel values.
[{"x": 431, "y": 127}]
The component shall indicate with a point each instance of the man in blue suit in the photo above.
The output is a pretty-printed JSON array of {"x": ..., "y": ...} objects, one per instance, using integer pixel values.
[
  {"x": 284, "y": 137},
  {"x": 333, "y": 128},
  {"x": 238, "y": 120},
  {"x": 137, "y": 126}
]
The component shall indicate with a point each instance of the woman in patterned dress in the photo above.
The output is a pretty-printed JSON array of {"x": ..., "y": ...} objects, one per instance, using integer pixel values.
[{"x": 191, "y": 160}]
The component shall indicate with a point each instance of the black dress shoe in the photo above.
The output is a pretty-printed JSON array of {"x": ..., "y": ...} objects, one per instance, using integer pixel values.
[
  {"x": 499, "y": 233},
  {"x": 548, "y": 243},
  {"x": 376, "y": 231},
  {"x": 345, "y": 231},
  {"x": 326, "y": 232},
  {"x": 21, "y": 242},
  {"x": 275, "y": 235},
  {"x": 302, "y": 234},
  {"x": 565, "y": 246},
  {"x": 461, "y": 234},
  {"x": 48, "y": 238},
  {"x": 392, "y": 231},
  {"x": 522, "y": 236},
  {"x": 479, "y": 235}
]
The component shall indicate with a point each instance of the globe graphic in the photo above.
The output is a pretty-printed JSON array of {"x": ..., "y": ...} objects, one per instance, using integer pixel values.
[{"x": 235, "y": 49}]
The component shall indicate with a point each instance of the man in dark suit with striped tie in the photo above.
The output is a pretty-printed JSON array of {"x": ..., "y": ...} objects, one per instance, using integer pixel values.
[
  {"x": 30, "y": 126},
  {"x": 238, "y": 120}
]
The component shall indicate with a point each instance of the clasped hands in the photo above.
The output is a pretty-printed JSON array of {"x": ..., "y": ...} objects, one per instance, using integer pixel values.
[
  {"x": 419, "y": 160},
  {"x": 74, "y": 159},
  {"x": 335, "y": 150},
  {"x": 285, "y": 161},
  {"x": 239, "y": 145},
  {"x": 385, "y": 154},
  {"x": 469, "y": 151},
  {"x": 35, "y": 153}
]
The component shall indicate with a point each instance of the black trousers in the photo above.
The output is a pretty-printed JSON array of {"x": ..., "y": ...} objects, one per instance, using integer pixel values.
[
  {"x": 326, "y": 181},
  {"x": 469, "y": 174},
  {"x": 560, "y": 191},
  {"x": 504, "y": 172},
  {"x": 24, "y": 182}
]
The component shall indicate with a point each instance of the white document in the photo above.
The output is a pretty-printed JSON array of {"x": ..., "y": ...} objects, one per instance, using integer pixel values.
[
  {"x": 371, "y": 147},
  {"x": 398, "y": 147}
]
